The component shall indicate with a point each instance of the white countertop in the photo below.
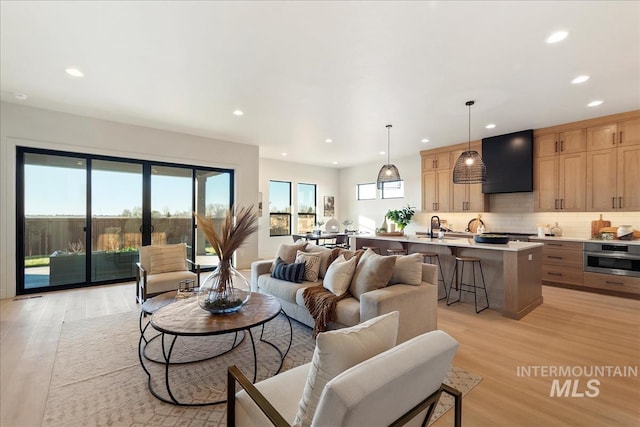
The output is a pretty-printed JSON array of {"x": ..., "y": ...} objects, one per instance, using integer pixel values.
[
  {"x": 585, "y": 240},
  {"x": 454, "y": 242}
]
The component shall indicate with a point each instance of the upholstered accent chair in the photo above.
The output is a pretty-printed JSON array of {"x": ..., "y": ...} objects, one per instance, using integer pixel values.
[
  {"x": 393, "y": 387},
  {"x": 161, "y": 268}
]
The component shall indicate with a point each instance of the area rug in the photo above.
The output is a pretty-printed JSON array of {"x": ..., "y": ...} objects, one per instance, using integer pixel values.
[{"x": 97, "y": 378}]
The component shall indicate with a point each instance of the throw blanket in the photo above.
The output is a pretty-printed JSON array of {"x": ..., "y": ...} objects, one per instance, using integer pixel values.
[{"x": 321, "y": 304}]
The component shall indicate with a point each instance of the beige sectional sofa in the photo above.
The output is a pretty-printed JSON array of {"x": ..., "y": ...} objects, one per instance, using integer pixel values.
[{"x": 416, "y": 303}]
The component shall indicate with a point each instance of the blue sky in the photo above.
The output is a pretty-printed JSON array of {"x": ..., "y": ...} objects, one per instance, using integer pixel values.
[{"x": 62, "y": 191}]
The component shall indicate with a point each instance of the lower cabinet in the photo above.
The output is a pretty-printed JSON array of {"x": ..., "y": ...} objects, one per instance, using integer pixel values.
[
  {"x": 610, "y": 282},
  {"x": 562, "y": 262}
]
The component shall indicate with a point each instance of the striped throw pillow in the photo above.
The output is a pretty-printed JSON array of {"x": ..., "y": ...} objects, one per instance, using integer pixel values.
[{"x": 290, "y": 272}]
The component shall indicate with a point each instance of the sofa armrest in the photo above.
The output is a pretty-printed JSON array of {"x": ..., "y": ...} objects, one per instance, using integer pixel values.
[
  {"x": 417, "y": 305},
  {"x": 430, "y": 273},
  {"x": 257, "y": 269}
]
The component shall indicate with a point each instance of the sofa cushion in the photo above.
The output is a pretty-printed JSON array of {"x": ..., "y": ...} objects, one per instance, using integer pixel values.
[
  {"x": 347, "y": 309},
  {"x": 311, "y": 264},
  {"x": 280, "y": 289},
  {"x": 339, "y": 275},
  {"x": 167, "y": 258},
  {"x": 407, "y": 270},
  {"x": 336, "y": 351},
  {"x": 287, "y": 253},
  {"x": 372, "y": 272},
  {"x": 293, "y": 272}
]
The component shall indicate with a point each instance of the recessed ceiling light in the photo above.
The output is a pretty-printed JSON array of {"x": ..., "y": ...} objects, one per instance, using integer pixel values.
[
  {"x": 382, "y": 152},
  {"x": 557, "y": 36},
  {"x": 594, "y": 103},
  {"x": 328, "y": 140},
  {"x": 238, "y": 112},
  {"x": 334, "y": 163},
  {"x": 283, "y": 154},
  {"x": 490, "y": 126},
  {"x": 580, "y": 79},
  {"x": 20, "y": 96},
  {"x": 425, "y": 140},
  {"x": 74, "y": 72}
]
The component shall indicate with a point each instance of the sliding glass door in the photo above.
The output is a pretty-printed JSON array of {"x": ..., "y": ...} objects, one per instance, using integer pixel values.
[
  {"x": 116, "y": 219},
  {"x": 70, "y": 205},
  {"x": 53, "y": 220}
]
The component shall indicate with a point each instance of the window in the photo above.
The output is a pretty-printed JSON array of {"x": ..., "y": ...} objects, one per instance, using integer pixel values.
[
  {"x": 366, "y": 191},
  {"x": 391, "y": 190},
  {"x": 306, "y": 207},
  {"x": 279, "y": 208}
]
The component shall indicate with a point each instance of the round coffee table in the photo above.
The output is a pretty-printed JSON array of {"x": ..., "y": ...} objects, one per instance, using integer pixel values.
[{"x": 185, "y": 318}]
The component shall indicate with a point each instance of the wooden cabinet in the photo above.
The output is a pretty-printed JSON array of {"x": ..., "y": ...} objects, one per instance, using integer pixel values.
[
  {"x": 560, "y": 168},
  {"x": 573, "y": 141},
  {"x": 613, "y": 173},
  {"x": 435, "y": 190},
  {"x": 437, "y": 160},
  {"x": 614, "y": 135},
  {"x": 560, "y": 182},
  {"x": 562, "y": 262},
  {"x": 611, "y": 282}
]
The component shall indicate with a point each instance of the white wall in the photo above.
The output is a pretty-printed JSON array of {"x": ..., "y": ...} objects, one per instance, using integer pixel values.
[
  {"x": 369, "y": 214},
  {"x": 31, "y": 127},
  {"x": 326, "y": 179}
]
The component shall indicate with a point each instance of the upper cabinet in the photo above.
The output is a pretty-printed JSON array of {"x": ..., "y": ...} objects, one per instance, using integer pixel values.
[
  {"x": 560, "y": 168},
  {"x": 613, "y": 173},
  {"x": 436, "y": 160},
  {"x": 573, "y": 141}
]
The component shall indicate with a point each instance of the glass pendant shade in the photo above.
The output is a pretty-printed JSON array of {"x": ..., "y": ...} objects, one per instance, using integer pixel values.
[
  {"x": 469, "y": 168},
  {"x": 388, "y": 173}
]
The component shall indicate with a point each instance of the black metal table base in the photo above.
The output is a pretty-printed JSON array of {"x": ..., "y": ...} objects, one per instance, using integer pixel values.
[{"x": 167, "y": 352}]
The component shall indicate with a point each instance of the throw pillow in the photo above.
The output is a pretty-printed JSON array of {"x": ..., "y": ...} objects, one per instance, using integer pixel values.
[
  {"x": 408, "y": 270},
  {"x": 336, "y": 351},
  {"x": 287, "y": 253},
  {"x": 311, "y": 265},
  {"x": 167, "y": 258},
  {"x": 348, "y": 254},
  {"x": 373, "y": 272},
  {"x": 293, "y": 272},
  {"x": 324, "y": 253},
  {"x": 339, "y": 275}
]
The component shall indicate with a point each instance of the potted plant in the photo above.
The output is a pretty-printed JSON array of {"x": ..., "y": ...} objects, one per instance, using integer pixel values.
[
  {"x": 401, "y": 217},
  {"x": 347, "y": 222}
]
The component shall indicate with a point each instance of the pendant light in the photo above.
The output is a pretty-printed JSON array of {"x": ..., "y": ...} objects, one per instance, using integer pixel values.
[
  {"x": 388, "y": 172},
  {"x": 469, "y": 168}
]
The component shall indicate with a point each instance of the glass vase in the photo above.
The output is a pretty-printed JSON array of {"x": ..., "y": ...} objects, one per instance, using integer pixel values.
[{"x": 225, "y": 291}]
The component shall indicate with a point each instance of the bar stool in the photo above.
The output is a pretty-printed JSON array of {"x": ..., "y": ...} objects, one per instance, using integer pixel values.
[
  {"x": 396, "y": 251},
  {"x": 435, "y": 255},
  {"x": 468, "y": 287},
  {"x": 373, "y": 248}
]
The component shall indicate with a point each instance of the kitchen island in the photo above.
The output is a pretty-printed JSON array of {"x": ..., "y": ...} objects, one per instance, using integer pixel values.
[{"x": 512, "y": 271}]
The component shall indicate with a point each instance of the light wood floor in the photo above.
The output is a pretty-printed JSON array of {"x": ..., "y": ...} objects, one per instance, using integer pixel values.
[{"x": 571, "y": 328}]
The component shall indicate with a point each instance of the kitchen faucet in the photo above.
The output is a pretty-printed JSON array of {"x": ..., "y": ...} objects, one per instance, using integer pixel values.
[{"x": 435, "y": 223}]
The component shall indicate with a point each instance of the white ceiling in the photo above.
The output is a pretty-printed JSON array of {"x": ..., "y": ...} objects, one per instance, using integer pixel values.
[{"x": 303, "y": 72}]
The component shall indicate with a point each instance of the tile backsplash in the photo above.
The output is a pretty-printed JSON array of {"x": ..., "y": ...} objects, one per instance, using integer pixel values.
[{"x": 513, "y": 212}]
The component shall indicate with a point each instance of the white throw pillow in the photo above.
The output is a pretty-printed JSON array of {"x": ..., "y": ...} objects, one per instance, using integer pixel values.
[
  {"x": 339, "y": 275},
  {"x": 408, "y": 270},
  {"x": 336, "y": 351},
  {"x": 311, "y": 265}
]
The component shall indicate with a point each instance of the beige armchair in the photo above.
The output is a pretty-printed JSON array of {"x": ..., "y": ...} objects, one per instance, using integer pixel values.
[{"x": 161, "y": 268}]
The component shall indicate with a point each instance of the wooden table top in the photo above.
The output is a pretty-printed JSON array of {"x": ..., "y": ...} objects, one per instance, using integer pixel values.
[{"x": 186, "y": 317}]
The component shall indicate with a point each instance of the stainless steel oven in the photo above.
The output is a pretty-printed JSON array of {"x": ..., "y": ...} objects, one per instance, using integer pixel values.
[{"x": 612, "y": 258}]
